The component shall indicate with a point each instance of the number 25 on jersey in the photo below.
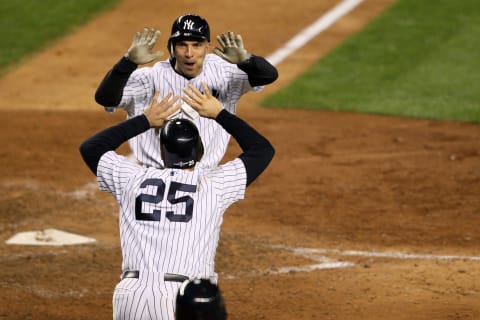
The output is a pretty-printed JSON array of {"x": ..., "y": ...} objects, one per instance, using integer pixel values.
[{"x": 171, "y": 194}]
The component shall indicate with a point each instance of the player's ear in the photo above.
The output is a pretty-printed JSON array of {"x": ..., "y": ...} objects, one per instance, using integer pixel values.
[{"x": 209, "y": 47}]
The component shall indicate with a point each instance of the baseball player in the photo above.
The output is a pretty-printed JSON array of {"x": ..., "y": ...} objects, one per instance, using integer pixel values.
[
  {"x": 229, "y": 73},
  {"x": 200, "y": 299},
  {"x": 170, "y": 217}
]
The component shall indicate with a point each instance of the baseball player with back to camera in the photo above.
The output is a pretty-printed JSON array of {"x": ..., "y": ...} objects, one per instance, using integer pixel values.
[
  {"x": 229, "y": 73},
  {"x": 170, "y": 217}
]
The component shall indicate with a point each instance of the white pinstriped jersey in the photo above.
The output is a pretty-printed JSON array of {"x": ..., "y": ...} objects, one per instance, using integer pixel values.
[
  {"x": 224, "y": 80},
  {"x": 170, "y": 218}
]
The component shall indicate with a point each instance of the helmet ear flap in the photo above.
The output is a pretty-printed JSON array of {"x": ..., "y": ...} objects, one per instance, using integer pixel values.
[{"x": 170, "y": 48}]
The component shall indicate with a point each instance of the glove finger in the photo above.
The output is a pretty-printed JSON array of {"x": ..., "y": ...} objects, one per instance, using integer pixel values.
[
  {"x": 136, "y": 38},
  {"x": 224, "y": 38},
  {"x": 144, "y": 34},
  {"x": 149, "y": 34},
  {"x": 153, "y": 33},
  {"x": 221, "y": 41},
  {"x": 220, "y": 53},
  {"x": 230, "y": 39},
  {"x": 239, "y": 41},
  {"x": 153, "y": 39},
  {"x": 156, "y": 34}
]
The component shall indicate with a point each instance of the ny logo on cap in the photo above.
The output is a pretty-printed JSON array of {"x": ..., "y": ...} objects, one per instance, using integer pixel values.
[{"x": 188, "y": 24}]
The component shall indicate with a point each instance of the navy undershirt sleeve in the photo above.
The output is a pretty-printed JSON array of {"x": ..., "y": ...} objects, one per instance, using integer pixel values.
[
  {"x": 257, "y": 150},
  {"x": 111, "y": 138},
  {"x": 110, "y": 91},
  {"x": 260, "y": 72}
]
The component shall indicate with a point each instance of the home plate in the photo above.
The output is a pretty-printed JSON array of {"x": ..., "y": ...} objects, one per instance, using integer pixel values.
[{"x": 48, "y": 237}]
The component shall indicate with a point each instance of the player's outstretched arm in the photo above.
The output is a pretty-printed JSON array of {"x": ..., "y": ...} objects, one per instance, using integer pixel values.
[
  {"x": 111, "y": 138},
  {"x": 109, "y": 92},
  {"x": 257, "y": 150},
  {"x": 260, "y": 72}
]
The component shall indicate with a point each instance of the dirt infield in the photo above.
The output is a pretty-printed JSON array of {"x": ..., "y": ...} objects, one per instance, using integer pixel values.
[{"x": 358, "y": 217}]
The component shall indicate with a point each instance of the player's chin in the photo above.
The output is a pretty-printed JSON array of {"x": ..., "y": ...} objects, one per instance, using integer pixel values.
[{"x": 191, "y": 69}]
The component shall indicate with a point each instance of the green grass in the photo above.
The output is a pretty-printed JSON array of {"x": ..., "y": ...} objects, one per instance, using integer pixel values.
[
  {"x": 30, "y": 25},
  {"x": 418, "y": 59}
]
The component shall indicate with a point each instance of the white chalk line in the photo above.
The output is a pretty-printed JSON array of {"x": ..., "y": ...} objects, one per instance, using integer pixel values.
[
  {"x": 322, "y": 263},
  {"x": 399, "y": 255},
  {"x": 373, "y": 254},
  {"x": 317, "y": 255},
  {"x": 87, "y": 190},
  {"x": 53, "y": 293},
  {"x": 313, "y": 30},
  {"x": 325, "y": 263}
]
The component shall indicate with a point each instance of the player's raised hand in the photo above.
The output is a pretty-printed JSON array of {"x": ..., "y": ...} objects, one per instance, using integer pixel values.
[
  {"x": 140, "y": 51},
  {"x": 232, "y": 48},
  {"x": 204, "y": 103},
  {"x": 158, "y": 112}
]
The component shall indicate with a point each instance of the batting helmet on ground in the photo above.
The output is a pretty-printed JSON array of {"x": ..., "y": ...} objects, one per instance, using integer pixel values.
[
  {"x": 180, "y": 144},
  {"x": 188, "y": 26},
  {"x": 200, "y": 299}
]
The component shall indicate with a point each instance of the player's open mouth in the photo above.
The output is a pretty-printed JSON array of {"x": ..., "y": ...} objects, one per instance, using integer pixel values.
[{"x": 189, "y": 65}]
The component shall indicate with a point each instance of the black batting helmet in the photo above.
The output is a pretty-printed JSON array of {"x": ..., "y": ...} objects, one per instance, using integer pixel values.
[
  {"x": 188, "y": 26},
  {"x": 180, "y": 144},
  {"x": 200, "y": 299}
]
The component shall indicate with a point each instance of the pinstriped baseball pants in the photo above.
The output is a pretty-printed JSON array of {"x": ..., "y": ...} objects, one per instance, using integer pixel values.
[{"x": 147, "y": 298}]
